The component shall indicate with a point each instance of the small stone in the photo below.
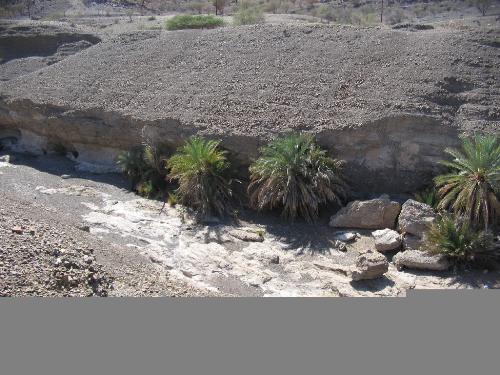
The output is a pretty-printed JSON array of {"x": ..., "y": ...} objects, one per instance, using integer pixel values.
[
  {"x": 6, "y": 159},
  {"x": 339, "y": 245},
  {"x": 275, "y": 260},
  {"x": 17, "y": 230},
  {"x": 386, "y": 240},
  {"x": 370, "y": 265},
  {"x": 85, "y": 228},
  {"x": 345, "y": 236},
  {"x": 155, "y": 259},
  {"x": 65, "y": 176},
  {"x": 246, "y": 235}
]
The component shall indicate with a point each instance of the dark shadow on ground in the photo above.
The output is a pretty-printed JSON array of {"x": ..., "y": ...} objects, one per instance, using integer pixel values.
[
  {"x": 298, "y": 235},
  {"x": 59, "y": 165}
]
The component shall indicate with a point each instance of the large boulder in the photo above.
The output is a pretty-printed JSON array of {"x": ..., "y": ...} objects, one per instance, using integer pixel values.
[
  {"x": 376, "y": 213},
  {"x": 386, "y": 239},
  {"x": 421, "y": 260},
  {"x": 370, "y": 265},
  {"x": 415, "y": 218}
]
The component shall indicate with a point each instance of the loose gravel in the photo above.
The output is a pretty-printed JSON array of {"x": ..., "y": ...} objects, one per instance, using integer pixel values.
[{"x": 40, "y": 255}]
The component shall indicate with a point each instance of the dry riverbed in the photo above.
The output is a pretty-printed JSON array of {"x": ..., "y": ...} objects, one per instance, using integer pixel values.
[{"x": 69, "y": 233}]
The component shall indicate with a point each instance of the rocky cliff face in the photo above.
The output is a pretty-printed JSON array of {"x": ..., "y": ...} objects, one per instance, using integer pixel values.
[{"x": 387, "y": 101}]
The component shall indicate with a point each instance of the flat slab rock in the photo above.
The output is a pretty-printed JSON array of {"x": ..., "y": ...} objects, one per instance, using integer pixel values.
[
  {"x": 246, "y": 235},
  {"x": 379, "y": 213},
  {"x": 421, "y": 260},
  {"x": 386, "y": 240}
]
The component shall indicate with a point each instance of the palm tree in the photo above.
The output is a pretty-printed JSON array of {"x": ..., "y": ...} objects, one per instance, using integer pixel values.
[
  {"x": 132, "y": 164},
  {"x": 471, "y": 188},
  {"x": 429, "y": 196},
  {"x": 200, "y": 168},
  {"x": 145, "y": 167},
  {"x": 297, "y": 175},
  {"x": 455, "y": 238}
]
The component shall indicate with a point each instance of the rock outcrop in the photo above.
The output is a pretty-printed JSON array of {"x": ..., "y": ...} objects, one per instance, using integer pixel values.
[{"x": 376, "y": 213}]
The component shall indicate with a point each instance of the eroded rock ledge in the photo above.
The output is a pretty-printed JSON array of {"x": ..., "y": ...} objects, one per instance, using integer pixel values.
[{"x": 387, "y": 101}]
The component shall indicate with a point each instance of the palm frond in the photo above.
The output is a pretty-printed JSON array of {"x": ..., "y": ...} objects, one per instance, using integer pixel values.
[
  {"x": 471, "y": 187},
  {"x": 200, "y": 167}
]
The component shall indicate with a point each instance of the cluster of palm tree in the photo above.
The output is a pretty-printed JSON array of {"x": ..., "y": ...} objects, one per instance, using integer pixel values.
[
  {"x": 295, "y": 175},
  {"x": 468, "y": 200},
  {"x": 292, "y": 174}
]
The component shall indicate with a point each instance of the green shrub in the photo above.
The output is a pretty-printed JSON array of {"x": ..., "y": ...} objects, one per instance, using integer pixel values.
[
  {"x": 193, "y": 22},
  {"x": 200, "y": 167},
  {"x": 173, "y": 199},
  {"x": 456, "y": 239},
  {"x": 472, "y": 186},
  {"x": 428, "y": 196},
  {"x": 248, "y": 14},
  {"x": 295, "y": 174},
  {"x": 145, "y": 167},
  {"x": 132, "y": 164}
]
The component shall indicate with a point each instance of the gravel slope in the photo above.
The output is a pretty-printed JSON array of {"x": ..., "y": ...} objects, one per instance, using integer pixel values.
[{"x": 259, "y": 80}]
